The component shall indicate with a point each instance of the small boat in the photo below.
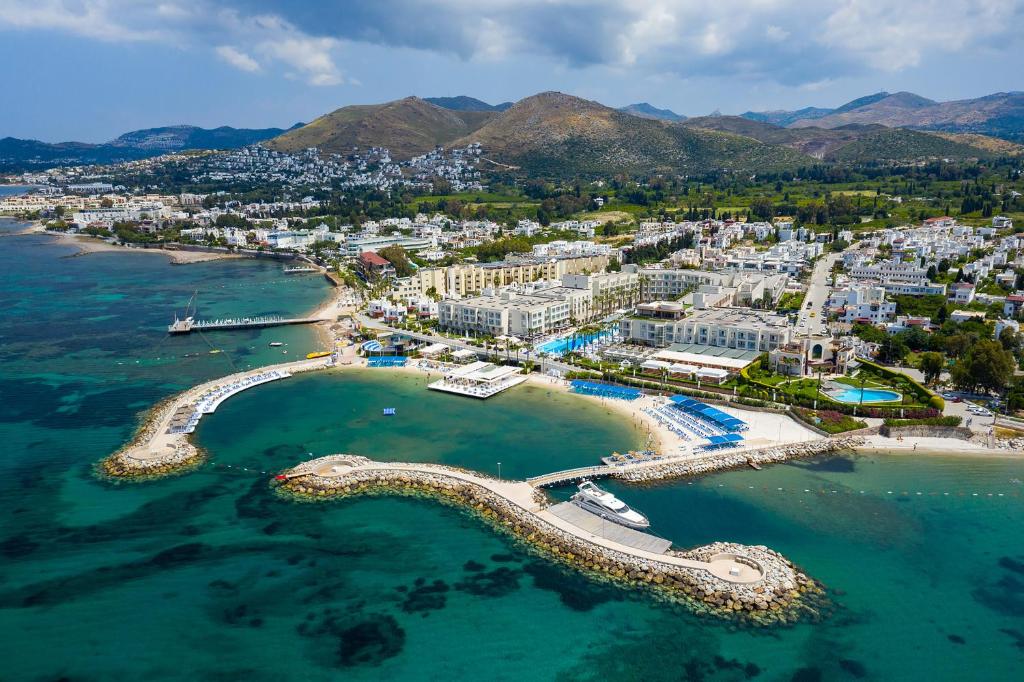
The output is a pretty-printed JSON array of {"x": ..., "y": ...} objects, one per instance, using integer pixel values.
[
  {"x": 389, "y": 412},
  {"x": 317, "y": 354},
  {"x": 275, "y": 344},
  {"x": 215, "y": 351},
  {"x": 607, "y": 506}
]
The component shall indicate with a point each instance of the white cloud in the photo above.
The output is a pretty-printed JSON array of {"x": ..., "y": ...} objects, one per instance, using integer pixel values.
[
  {"x": 794, "y": 42},
  {"x": 311, "y": 57},
  {"x": 237, "y": 58}
]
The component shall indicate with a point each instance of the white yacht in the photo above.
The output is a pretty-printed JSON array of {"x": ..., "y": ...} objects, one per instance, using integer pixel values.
[{"x": 606, "y": 505}]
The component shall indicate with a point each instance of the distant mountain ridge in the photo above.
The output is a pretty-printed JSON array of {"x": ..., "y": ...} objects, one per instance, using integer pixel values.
[
  {"x": 170, "y": 138},
  {"x": 1000, "y": 114},
  {"x": 19, "y": 154},
  {"x": 466, "y": 103},
  {"x": 645, "y": 110}
]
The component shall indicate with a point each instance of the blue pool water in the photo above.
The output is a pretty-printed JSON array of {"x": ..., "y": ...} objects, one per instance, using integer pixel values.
[
  {"x": 871, "y": 395},
  {"x": 567, "y": 344}
]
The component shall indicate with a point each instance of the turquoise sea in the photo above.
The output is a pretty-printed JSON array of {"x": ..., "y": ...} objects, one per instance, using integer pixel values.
[{"x": 208, "y": 576}]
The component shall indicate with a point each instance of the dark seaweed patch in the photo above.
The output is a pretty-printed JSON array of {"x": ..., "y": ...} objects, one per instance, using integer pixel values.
[
  {"x": 807, "y": 675},
  {"x": 1016, "y": 635},
  {"x": 749, "y": 670},
  {"x": 505, "y": 558},
  {"x": 835, "y": 464},
  {"x": 956, "y": 639},
  {"x": 371, "y": 642},
  {"x": 1011, "y": 564},
  {"x": 497, "y": 583},
  {"x": 574, "y": 591},
  {"x": 473, "y": 566},
  {"x": 855, "y": 668},
  {"x": 18, "y": 546},
  {"x": 425, "y": 598},
  {"x": 1005, "y": 596}
]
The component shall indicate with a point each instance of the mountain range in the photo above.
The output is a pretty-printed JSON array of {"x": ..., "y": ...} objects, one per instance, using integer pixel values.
[
  {"x": 553, "y": 133},
  {"x": 557, "y": 134},
  {"x": 1000, "y": 114}
]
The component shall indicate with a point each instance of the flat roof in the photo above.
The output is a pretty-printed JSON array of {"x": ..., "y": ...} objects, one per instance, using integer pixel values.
[
  {"x": 716, "y": 351},
  {"x": 700, "y": 359}
]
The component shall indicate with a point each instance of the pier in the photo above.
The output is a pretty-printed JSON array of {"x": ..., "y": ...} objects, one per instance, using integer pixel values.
[
  {"x": 190, "y": 324},
  {"x": 162, "y": 446}
]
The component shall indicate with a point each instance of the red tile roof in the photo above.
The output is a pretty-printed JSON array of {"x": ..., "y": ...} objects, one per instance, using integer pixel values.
[{"x": 371, "y": 258}]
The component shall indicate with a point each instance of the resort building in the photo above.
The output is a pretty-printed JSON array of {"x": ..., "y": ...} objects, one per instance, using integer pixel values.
[
  {"x": 609, "y": 291},
  {"x": 522, "y": 311},
  {"x": 740, "y": 328},
  {"x": 747, "y": 288}
]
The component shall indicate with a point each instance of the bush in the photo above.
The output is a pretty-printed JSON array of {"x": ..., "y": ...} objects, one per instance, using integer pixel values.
[
  {"x": 930, "y": 421},
  {"x": 830, "y": 421}
]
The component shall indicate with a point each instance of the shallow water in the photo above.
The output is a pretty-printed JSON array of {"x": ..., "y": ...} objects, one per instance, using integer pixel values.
[{"x": 209, "y": 576}]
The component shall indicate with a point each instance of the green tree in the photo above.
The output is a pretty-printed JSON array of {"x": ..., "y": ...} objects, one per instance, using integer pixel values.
[
  {"x": 397, "y": 256},
  {"x": 986, "y": 367},
  {"x": 931, "y": 364}
]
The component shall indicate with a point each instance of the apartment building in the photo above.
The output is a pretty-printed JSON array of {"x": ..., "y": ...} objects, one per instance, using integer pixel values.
[
  {"x": 468, "y": 278},
  {"x": 862, "y": 303}
]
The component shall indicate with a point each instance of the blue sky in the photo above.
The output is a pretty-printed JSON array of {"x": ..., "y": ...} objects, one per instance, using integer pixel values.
[{"x": 91, "y": 69}]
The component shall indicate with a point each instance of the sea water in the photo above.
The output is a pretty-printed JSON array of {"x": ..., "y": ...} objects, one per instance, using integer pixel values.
[{"x": 210, "y": 576}]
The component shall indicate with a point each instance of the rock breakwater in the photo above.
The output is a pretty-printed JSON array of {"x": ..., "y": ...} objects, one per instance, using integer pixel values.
[
  {"x": 750, "y": 584},
  {"x": 721, "y": 461}
]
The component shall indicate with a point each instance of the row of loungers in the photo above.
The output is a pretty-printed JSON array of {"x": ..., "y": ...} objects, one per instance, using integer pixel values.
[
  {"x": 605, "y": 390},
  {"x": 387, "y": 361},
  {"x": 187, "y": 417}
]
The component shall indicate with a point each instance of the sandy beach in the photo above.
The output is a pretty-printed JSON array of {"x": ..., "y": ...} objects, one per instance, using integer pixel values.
[{"x": 86, "y": 244}]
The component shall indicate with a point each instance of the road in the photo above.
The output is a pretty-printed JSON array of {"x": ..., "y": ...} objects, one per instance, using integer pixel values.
[{"x": 814, "y": 301}]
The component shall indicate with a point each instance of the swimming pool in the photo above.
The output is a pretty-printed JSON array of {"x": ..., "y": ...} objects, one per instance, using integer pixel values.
[
  {"x": 871, "y": 395},
  {"x": 567, "y": 343}
]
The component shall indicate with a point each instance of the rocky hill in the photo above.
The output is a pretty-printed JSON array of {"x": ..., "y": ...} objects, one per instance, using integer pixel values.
[
  {"x": 557, "y": 134},
  {"x": 858, "y": 143},
  {"x": 407, "y": 127},
  {"x": 466, "y": 103}
]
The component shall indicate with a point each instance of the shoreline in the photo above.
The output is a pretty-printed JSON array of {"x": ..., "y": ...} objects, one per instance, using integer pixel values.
[
  {"x": 145, "y": 453},
  {"x": 86, "y": 244}
]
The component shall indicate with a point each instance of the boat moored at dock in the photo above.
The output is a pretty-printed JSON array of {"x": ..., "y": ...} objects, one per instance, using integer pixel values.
[{"x": 607, "y": 506}]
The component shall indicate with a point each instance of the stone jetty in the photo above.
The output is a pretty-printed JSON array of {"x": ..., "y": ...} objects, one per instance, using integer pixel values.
[
  {"x": 158, "y": 450},
  {"x": 748, "y": 583},
  {"x": 725, "y": 459}
]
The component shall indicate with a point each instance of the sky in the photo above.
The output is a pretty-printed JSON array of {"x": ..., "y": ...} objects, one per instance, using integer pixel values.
[{"x": 89, "y": 70}]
